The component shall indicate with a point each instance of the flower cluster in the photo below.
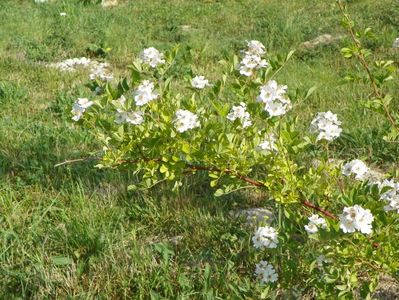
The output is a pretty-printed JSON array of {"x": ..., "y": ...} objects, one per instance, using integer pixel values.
[
  {"x": 253, "y": 58},
  {"x": 131, "y": 117},
  {"x": 327, "y": 126},
  {"x": 356, "y": 218},
  {"x": 145, "y": 93},
  {"x": 152, "y": 57},
  {"x": 273, "y": 96},
  {"x": 265, "y": 237},
  {"x": 314, "y": 223},
  {"x": 265, "y": 272},
  {"x": 185, "y": 120},
  {"x": 79, "y": 107},
  {"x": 97, "y": 70},
  {"x": 121, "y": 100},
  {"x": 269, "y": 144},
  {"x": 391, "y": 195},
  {"x": 100, "y": 71},
  {"x": 240, "y": 112},
  {"x": 356, "y": 167},
  {"x": 199, "y": 82}
]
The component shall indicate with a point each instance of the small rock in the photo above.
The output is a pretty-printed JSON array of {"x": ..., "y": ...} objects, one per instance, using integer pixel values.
[
  {"x": 324, "y": 39},
  {"x": 185, "y": 28},
  {"x": 387, "y": 289},
  {"x": 109, "y": 3},
  {"x": 395, "y": 43},
  {"x": 175, "y": 240},
  {"x": 254, "y": 216}
]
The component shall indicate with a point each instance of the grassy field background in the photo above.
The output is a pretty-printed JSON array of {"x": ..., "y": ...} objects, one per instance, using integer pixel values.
[{"x": 74, "y": 231}]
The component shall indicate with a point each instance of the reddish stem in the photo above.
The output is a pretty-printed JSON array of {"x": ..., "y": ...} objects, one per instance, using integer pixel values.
[
  {"x": 192, "y": 168},
  {"x": 319, "y": 209}
]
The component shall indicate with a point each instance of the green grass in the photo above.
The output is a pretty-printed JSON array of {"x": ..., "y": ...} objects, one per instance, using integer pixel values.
[{"x": 75, "y": 231}]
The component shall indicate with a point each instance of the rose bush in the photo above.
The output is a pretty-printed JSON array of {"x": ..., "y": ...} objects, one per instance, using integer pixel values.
[{"x": 332, "y": 234}]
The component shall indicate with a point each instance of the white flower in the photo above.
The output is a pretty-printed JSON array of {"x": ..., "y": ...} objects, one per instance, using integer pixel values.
[
  {"x": 393, "y": 204},
  {"x": 250, "y": 62},
  {"x": 265, "y": 272},
  {"x": 392, "y": 192},
  {"x": 314, "y": 223},
  {"x": 199, "y": 82},
  {"x": 311, "y": 228},
  {"x": 240, "y": 112},
  {"x": 327, "y": 126},
  {"x": 152, "y": 57},
  {"x": 356, "y": 167},
  {"x": 122, "y": 100},
  {"x": 100, "y": 71},
  {"x": 77, "y": 112},
  {"x": 356, "y": 218},
  {"x": 252, "y": 59},
  {"x": 256, "y": 48},
  {"x": 185, "y": 120},
  {"x": 84, "y": 102},
  {"x": 262, "y": 64},
  {"x": 269, "y": 144},
  {"x": 40, "y": 1},
  {"x": 273, "y": 96},
  {"x": 79, "y": 107},
  {"x": 145, "y": 93},
  {"x": 63, "y": 14},
  {"x": 396, "y": 43},
  {"x": 133, "y": 117},
  {"x": 245, "y": 70},
  {"x": 391, "y": 195},
  {"x": 271, "y": 91},
  {"x": 278, "y": 107},
  {"x": 265, "y": 237}
]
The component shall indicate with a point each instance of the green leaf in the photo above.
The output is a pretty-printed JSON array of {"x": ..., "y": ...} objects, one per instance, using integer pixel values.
[
  {"x": 132, "y": 187},
  {"x": 347, "y": 52},
  {"x": 185, "y": 148},
  {"x": 219, "y": 192},
  {"x": 342, "y": 287},
  {"x": 214, "y": 183},
  {"x": 310, "y": 92},
  {"x": 163, "y": 169},
  {"x": 289, "y": 55}
]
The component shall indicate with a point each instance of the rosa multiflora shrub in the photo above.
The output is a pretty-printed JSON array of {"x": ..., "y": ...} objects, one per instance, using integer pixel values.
[{"x": 334, "y": 231}]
